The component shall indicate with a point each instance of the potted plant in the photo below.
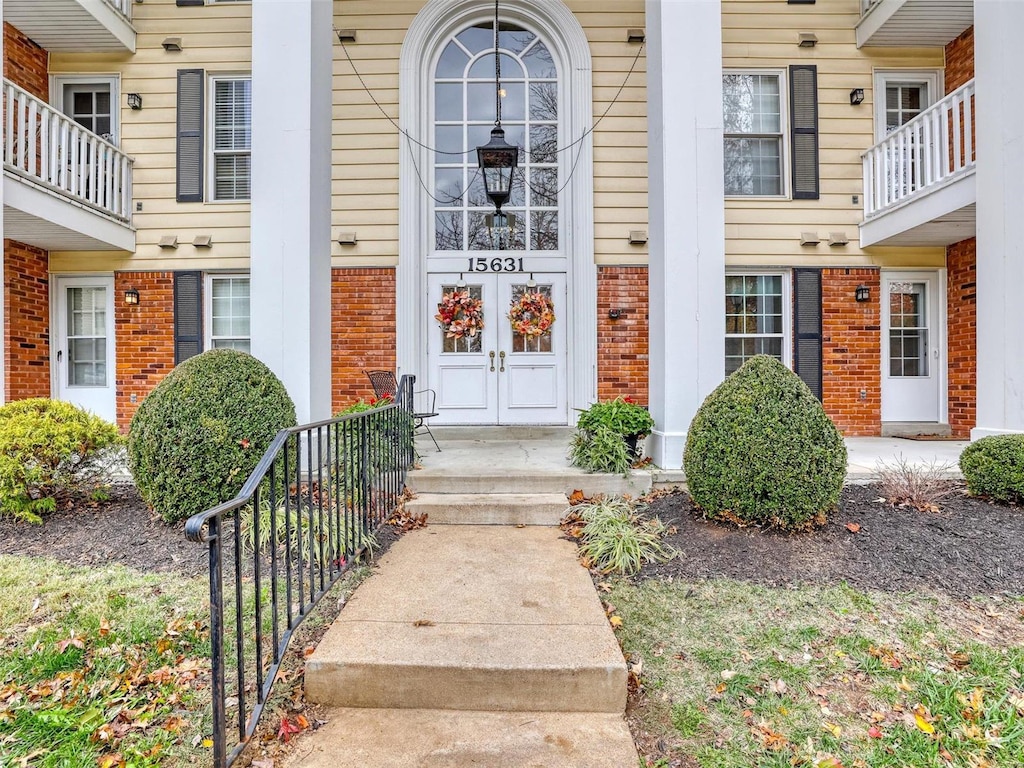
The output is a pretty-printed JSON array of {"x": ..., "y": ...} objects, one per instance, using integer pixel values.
[{"x": 608, "y": 435}]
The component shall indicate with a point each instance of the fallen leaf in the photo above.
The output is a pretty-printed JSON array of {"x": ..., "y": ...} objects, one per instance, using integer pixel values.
[
  {"x": 777, "y": 686},
  {"x": 287, "y": 729},
  {"x": 833, "y": 728},
  {"x": 423, "y": 623},
  {"x": 853, "y": 527},
  {"x": 922, "y": 724},
  {"x": 615, "y": 621},
  {"x": 577, "y": 497},
  {"x": 875, "y": 732},
  {"x": 727, "y": 674},
  {"x": 904, "y": 684},
  {"x": 104, "y": 627}
]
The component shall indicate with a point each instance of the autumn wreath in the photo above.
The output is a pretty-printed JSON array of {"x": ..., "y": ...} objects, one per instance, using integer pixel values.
[
  {"x": 460, "y": 314},
  {"x": 532, "y": 315}
]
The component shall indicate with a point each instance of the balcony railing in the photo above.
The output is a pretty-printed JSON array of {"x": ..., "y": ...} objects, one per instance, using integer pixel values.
[
  {"x": 932, "y": 150},
  {"x": 124, "y": 7},
  {"x": 50, "y": 149}
]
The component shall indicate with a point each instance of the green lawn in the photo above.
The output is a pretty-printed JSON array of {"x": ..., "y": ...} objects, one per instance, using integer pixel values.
[{"x": 736, "y": 675}]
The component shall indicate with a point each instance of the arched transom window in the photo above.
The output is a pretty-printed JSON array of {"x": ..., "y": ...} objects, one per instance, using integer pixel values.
[{"x": 464, "y": 114}]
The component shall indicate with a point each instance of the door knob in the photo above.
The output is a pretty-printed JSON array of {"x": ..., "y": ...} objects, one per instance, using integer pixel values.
[
  {"x": 502, "y": 356},
  {"x": 492, "y": 360}
]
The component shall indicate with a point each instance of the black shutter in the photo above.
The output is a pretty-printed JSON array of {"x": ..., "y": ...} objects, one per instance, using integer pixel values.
[
  {"x": 191, "y": 84},
  {"x": 803, "y": 110},
  {"x": 188, "y": 315},
  {"x": 807, "y": 327},
  {"x": 181, "y": 3}
]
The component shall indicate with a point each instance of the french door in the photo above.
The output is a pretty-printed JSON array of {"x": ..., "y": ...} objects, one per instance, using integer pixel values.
[
  {"x": 83, "y": 355},
  {"x": 912, "y": 347},
  {"x": 496, "y": 374}
]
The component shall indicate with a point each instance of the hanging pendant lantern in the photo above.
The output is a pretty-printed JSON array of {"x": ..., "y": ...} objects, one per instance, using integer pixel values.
[{"x": 497, "y": 159}]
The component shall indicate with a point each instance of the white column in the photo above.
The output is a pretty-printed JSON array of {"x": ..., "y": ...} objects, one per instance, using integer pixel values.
[
  {"x": 999, "y": 62},
  {"x": 687, "y": 216},
  {"x": 3, "y": 323},
  {"x": 291, "y": 197}
]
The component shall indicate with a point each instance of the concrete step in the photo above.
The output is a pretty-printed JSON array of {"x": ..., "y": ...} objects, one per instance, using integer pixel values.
[
  {"x": 450, "y": 480},
  {"x": 473, "y": 617},
  {"x": 411, "y": 738},
  {"x": 490, "y": 508}
]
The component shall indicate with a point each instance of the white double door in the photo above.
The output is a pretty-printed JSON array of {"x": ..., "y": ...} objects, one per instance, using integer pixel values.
[
  {"x": 913, "y": 349},
  {"x": 499, "y": 376},
  {"x": 83, "y": 355}
]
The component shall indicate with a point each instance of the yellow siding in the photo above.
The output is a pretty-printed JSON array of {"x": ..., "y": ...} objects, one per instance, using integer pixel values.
[
  {"x": 763, "y": 34},
  {"x": 215, "y": 38}
]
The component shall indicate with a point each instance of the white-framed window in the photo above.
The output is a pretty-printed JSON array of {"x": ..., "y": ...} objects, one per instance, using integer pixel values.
[
  {"x": 91, "y": 101},
  {"x": 901, "y": 95},
  {"x": 757, "y": 317},
  {"x": 230, "y": 143},
  {"x": 227, "y": 311},
  {"x": 754, "y": 114}
]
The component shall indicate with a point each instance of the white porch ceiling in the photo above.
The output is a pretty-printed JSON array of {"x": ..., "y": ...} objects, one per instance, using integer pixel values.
[
  {"x": 914, "y": 23},
  {"x": 71, "y": 25}
]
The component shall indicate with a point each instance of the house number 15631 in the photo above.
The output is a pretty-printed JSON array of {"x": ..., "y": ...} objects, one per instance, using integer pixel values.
[{"x": 497, "y": 264}]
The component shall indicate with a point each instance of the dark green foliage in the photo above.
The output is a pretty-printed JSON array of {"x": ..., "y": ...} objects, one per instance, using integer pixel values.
[
  {"x": 201, "y": 432},
  {"x": 620, "y": 415},
  {"x": 598, "y": 445},
  {"x": 51, "y": 450},
  {"x": 994, "y": 467},
  {"x": 762, "y": 450}
]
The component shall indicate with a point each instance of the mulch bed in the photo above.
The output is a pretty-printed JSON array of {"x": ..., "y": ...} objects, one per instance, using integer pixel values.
[{"x": 969, "y": 547}]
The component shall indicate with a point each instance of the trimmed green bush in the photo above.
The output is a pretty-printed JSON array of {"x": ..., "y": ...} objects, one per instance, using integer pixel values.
[
  {"x": 598, "y": 444},
  {"x": 203, "y": 429},
  {"x": 50, "y": 451},
  {"x": 994, "y": 467},
  {"x": 761, "y": 450}
]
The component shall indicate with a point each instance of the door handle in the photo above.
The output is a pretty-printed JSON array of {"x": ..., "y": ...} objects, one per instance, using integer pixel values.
[
  {"x": 492, "y": 360},
  {"x": 60, "y": 354},
  {"x": 502, "y": 356}
]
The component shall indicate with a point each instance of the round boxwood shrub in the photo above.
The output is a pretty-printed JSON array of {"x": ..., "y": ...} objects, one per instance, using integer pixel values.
[
  {"x": 51, "y": 451},
  {"x": 761, "y": 450},
  {"x": 994, "y": 467},
  {"x": 200, "y": 433}
]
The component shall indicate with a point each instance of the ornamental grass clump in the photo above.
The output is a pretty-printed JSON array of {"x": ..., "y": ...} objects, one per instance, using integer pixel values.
[
  {"x": 52, "y": 451},
  {"x": 994, "y": 467},
  {"x": 200, "y": 433},
  {"x": 761, "y": 450},
  {"x": 617, "y": 537}
]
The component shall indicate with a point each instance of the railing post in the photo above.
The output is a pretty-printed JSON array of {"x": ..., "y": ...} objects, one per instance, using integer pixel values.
[{"x": 217, "y": 673}]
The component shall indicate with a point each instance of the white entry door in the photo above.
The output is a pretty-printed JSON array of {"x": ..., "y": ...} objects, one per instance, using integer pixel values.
[
  {"x": 912, "y": 347},
  {"x": 499, "y": 375},
  {"x": 84, "y": 351}
]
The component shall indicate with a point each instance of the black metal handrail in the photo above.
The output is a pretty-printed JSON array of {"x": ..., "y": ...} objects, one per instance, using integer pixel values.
[{"x": 307, "y": 511}]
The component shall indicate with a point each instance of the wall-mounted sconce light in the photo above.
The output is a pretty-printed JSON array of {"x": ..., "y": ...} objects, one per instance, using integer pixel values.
[
  {"x": 615, "y": 314},
  {"x": 346, "y": 35},
  {"x": 857, "y": 96},
  {"x": 863, "y": 293},
  {"x": 807, "y": 39},
  {"x": 637, "y": 237},
  {"x": 171, "y": 44},
  {"x": 837, "y": 238},
  {"x": 346, "y": 238},
  {"x": 131, "y": 296},
  {"x": 809, "y": 238},
  {"x": 168, "y": 241},
  {"x": 202, "y": 241},
  {"x": 135, "y": 101},
  {"x": 635, "y": 35}
]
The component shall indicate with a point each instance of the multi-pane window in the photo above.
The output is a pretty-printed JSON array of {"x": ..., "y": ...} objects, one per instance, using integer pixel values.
[
  {"x": 755, "y": 318},
  {"x": 87, "y": 337},
  {"x": 903, "y": 102},
  {"x": 908, "y": 329},
  {"x": 229, "y": 312},
  {"x": 232, "y": 138},
  {"x": 752, "y": 112},
  {"x": 464, "y": 114}
]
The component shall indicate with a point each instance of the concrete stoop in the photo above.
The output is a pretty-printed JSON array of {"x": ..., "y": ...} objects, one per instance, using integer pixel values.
[
  {"x": 489, "y": 509},
  {"x": 473, "y": 645}
]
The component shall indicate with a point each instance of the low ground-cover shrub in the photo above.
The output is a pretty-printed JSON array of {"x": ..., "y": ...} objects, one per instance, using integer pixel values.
[
  {"x": 197, "y": 436},
  {"x": 599, "y": 443},
  {"x": 49, "y": 451},
  {"x": 994, "y": 467},
  {"x": 762, "y": 450},
  {"x": 617, "y": 537}
]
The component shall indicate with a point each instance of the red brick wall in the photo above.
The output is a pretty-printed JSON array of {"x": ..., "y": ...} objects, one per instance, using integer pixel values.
[
  {"x": 362, "y": 330},
  {"x": 622, "y": 350},
  {"x": 961, "y": 332},
  {"x": 851, "y": 351},
  {"x": 25, "y": 63},
  {"x": 26, "y": 321},
  {"x": 144, "y": 336},
  {"x": 960, "y": 60}
]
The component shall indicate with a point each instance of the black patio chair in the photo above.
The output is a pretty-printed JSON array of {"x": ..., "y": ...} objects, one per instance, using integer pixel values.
[{"x": 385, "y": 384}]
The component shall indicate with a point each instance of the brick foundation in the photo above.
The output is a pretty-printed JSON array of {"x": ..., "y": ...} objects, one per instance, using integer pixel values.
[
  {"x": 961, "y": 335},
  {"x": 26, "y": 321},
  {"x": 852, "y": 351},
  {"x": 144, "y": 336},
  {"x": 622, "y": 344},
  {"x": 362, "y": 330},
  {"x": 25, "y": 63}
]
